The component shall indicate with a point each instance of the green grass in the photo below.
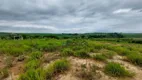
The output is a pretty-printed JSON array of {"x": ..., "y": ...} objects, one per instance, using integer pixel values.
[
  {"x": 116, "y": 70},
  {"x": 67, "y": 52},
  {"x": 58, "y": 66},
  {"x": 82, "y": 54},
  {"x": 35, "y": 55},
  {"x": 33, "y": 74},
  {"x": 33, "y": 64},
  {"x": 31, "y": 52},
  {"x": 109, "y": 54},
  {"x": 100, "y": 57},
  {"x": 135, "y": 58}
]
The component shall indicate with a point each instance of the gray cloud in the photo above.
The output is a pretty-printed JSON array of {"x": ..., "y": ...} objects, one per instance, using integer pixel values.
[{"x": 63, "y": 16}]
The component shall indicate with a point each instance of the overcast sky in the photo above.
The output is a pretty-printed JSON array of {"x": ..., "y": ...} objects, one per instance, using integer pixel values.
[{"x": 71, "y": 16}]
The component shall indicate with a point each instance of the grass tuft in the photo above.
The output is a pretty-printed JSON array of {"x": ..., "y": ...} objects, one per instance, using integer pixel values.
[
  {"x": 116, "y": 70},
  {"x": 67, "y": 52},
  {"x": 58, "y": 66},
  {"x": 81, "y": 54}
]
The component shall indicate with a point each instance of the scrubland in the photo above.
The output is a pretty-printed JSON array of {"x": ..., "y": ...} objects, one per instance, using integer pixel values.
[{"x": 69, "y": 59}]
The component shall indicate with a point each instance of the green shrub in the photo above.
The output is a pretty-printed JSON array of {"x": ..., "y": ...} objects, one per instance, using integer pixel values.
[
  {"x": 98, "y": 46},
  {"x": 100, "y": 57},
  {"x": 120, "y": 50},
  {"x": 58, "y": 66},
  {"x": 12, "y": 51},
  {"x": 109, "y": 54},
  {"x": 115, "y": 69},
  {"x": 67, "y": 52},
  {"x": 33, "y": 74},
  {"x": 35, "y": 55},
  {"x": 3, "y": 73},
  {"x": 135, "y": 58},
  {"x": 50, "y": 47},
  {"x": 82, "y": 54},
  {"x": 33, "y": 64}
]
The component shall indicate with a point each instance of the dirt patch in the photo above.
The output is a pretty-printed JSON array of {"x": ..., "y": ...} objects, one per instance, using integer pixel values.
[
  {"x": 2, "y": 65},
  {"x": 76, "y": 64},
  {"x": 15, "y": 70}
]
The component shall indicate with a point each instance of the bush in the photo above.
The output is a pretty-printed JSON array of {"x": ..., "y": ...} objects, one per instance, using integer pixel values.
[
  {"x": 82, "y": 54},
  {"x": 58, "y": 66},
  {"x": 115, "y": 69},
  {"x": 67, "y": 52},
  {"x": 135, "y": 58},
  {"x": 3, "y": 73}
]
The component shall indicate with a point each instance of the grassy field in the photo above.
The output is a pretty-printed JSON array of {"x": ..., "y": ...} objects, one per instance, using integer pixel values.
[{"x": 70, "y": 59}]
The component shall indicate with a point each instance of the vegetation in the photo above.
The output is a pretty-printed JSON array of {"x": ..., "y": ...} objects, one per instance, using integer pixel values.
[
  {"x": 135, "y": 58},
  {"x": 100, "y": 57},
  {"x": 115, "y": 69},
  {"x": 58, "y": 66},
  {"x": 3, "y": 73},
  {"x": 42, "y": 56}
]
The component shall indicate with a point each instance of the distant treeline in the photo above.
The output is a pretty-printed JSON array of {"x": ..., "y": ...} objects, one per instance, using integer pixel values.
[{"x": 59, "y": 36}]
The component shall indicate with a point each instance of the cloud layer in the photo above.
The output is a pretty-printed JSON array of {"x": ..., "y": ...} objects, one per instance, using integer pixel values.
[{"x": 70, "y": 16}]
